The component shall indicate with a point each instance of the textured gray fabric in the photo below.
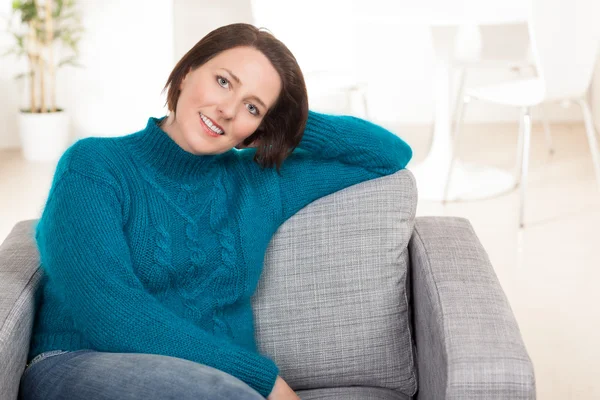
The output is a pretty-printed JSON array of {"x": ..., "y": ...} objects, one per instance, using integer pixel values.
[
  {"x": 468, "y": 342},
  {"x": 331, "y": 308},
  {"x": 351, "y": 393},
  {"x": 19, "y": 277}
]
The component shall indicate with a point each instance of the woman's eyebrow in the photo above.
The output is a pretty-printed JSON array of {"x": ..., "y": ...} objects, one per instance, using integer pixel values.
[
  {"x": 235, "y": 78},
  {"x": 258, "y": 101}
]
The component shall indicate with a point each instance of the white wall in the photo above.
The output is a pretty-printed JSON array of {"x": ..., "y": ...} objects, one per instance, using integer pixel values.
[
  {"x": 196, "y": 18},
  {"x": 9, "y": 94},
  {"x": 131, "y": 46},
  {"x": 128, "y": 55}
]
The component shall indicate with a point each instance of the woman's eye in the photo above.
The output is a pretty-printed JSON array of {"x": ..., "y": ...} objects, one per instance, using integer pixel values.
[
  {"x": 253, "y": 110},
  {"x": 222, "y": 81}
]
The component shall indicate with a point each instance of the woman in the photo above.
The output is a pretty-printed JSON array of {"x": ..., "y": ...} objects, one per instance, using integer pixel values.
[{"x": 152, "y": 243}]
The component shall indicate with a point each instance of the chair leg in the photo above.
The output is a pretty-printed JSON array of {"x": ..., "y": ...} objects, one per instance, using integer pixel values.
[
  {"x": 364, "y": 102},
  {"x": 591, "y": 134},
  {"x": 549, "y": 140},
  {"x": 519, "y": 163},
  {"x": 462, "y": 76},
  {"x": 455, "y": 140},
  {"x": 526, "y": 116}
]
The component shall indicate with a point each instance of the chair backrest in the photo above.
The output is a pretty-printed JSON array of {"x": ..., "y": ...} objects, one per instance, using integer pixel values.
[
  {"x": 565, "y": 36},
  {"x": 332, "y": 307}
]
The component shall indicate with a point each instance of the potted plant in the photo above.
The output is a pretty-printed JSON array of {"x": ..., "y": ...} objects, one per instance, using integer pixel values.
[{"x": 47, "y": 33}]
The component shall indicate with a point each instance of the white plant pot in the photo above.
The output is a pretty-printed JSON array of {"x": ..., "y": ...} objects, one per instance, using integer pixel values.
[{"x": 44, "y": 136}]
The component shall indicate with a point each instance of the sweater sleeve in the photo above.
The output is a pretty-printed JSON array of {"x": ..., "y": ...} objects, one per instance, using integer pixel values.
[
  {"x": 337, "y": 152},
  {"x": 85, "y": 253}
]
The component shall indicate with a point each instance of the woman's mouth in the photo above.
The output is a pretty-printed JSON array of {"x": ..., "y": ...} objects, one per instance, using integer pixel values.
[{"x": 210, "y": 127}]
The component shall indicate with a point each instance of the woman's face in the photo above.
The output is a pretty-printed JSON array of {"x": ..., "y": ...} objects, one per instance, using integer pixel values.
[{"x": 222, "y": 102}]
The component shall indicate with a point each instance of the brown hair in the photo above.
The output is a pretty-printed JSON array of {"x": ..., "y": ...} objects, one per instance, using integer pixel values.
[{"x": 283, "y": 125}]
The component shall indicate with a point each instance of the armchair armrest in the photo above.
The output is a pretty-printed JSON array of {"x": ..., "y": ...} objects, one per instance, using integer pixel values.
[
  {"x": 468, "y": 342},
  {"x": 19, "y": 279}
]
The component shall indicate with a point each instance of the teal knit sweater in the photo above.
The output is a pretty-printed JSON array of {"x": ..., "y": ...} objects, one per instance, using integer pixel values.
[{"x": 147, "y": 248}]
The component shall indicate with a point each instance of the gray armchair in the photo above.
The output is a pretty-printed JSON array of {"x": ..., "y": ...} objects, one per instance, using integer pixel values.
[{"x": 358, "y": 300}]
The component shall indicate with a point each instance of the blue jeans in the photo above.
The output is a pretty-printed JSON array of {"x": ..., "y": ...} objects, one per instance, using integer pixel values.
[{"x": 91, "y": 375}]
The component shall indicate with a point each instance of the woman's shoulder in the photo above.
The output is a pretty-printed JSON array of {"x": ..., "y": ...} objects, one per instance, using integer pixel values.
[{"x": 95, "y": 157}]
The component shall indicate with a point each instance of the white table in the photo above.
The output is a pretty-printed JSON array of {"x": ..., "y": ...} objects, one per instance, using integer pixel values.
[{"x": 469, "y": 182}]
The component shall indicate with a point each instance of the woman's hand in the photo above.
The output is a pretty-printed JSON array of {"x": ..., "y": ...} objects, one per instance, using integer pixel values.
[{"x": 281, "y": 391}]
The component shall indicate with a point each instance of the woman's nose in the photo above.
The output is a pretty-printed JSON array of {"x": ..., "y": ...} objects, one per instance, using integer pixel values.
[{"x": 227, "y": 108}]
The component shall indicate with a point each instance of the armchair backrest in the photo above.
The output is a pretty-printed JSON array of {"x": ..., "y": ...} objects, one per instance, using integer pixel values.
[{"x": 332, "y": 305}]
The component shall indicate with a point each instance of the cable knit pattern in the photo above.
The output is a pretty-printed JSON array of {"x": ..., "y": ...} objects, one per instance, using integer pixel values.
[
  {"x": 185, "y": 195},
  {"x": 228, "y": 276},
  {"x": 189, "y": 287},
  {"x": 150, "y": 249},
  {"x": 162, "y": 255}
]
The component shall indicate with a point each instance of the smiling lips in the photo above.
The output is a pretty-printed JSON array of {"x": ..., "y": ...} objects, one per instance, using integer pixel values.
[{"x": 213, "y": 127}]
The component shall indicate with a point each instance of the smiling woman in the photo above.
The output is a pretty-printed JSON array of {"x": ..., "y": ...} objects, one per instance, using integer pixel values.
[
  {"x": 246, "y": 84},
  {"x": 152, "y": 244},
  {"x": 216, "y": 101}
]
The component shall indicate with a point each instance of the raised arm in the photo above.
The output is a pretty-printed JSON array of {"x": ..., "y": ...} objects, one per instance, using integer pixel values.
[
  {"x": 337, "y": 152},
  {"x": 355, "y": 141}
]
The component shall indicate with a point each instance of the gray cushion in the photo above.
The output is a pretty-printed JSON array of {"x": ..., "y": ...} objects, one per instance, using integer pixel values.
[
  {"x": 19, "y": 275},
  {"x": 332, "y": 306},
  {"x": 351, "y": 393}
]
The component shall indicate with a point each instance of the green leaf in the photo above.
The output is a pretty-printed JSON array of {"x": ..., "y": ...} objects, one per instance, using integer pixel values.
[
  {"x": 16, "y": 51},
  {"x": 58, "y": 9},
  {"x": 70, "y": 61},
  {"x": 20, "y": 40},
  {"x": 66, "y": 16},
  {"x": 28, "y": 11},
  {"x": 9, "y": 52},
  {"x": 23, "y": 75}
]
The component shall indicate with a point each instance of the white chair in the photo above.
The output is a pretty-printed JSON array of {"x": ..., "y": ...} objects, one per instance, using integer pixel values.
[
  {"x": 565, "y": 38},
  {"x": 337, "y": 92},
  {"x": 493, "y": 53}
]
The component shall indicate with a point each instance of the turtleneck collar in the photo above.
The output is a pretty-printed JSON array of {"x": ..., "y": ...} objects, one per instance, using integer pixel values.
[{"x": 156, "y": 149}]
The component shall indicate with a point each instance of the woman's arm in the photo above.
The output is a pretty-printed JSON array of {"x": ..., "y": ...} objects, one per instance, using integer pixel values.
[
  {"x": 354, "y": 141},
  {"x": 337, "y": 152},
  {"x": 85, "y": 253}
]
